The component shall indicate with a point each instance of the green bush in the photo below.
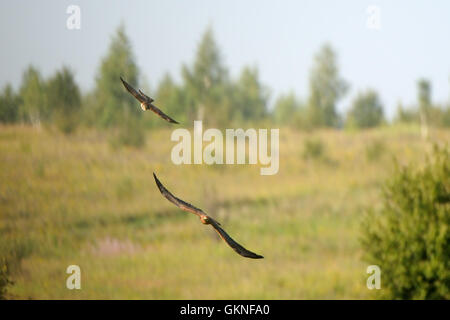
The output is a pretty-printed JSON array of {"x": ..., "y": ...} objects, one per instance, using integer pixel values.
[
  {"x": 9, "y": 104},
  {"x": 375, "y": 150},
  {"x": 64, "y": 100},
  {"x": 409, "y": 237},
  {"x": 366, "y": 111},
  {"x": 313, "y": 149},
  {"x": 129, "y": 134},
  {"x": 12, "y": 251},
  {"x": 4, "y": 278}
]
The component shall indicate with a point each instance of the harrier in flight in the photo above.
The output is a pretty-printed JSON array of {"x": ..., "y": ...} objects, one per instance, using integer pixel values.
[
  {"x": 205, "y": 219},
  {"x": 146, "y": 102}
]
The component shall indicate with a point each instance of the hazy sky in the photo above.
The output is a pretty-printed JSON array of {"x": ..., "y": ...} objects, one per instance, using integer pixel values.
[{"x": 280, "y": 37}]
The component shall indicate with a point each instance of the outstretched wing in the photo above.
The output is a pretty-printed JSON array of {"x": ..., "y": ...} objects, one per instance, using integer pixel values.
[
  {"x": 143, "y": 98},
  {"x": 176, "y": 201},
  {"x": 233, "y": 244},
  {"x": 131, "y": 90},
  {"x": 161, "y": 114},
  {"x": 150, "y": 100}
]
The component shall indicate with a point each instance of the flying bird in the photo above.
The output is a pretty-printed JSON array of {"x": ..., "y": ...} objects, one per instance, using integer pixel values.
[
  {"x": 146, "y": 102},
  {"x": 205, "y": 219}
]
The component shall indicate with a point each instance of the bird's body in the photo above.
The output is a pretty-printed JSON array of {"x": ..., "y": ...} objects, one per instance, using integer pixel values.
[
  {"x": 206, "y": 220},
  {"x": 146, "y": 101}
]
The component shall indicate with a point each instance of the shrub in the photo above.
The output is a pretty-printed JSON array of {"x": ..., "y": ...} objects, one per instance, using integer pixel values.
[
  {"x": 12, "y": 251},
  {"x": 64, "y": 100},
  {"x": 409, "y": 237},
  {"x": 313, "y": 149},
  {"x": 366, "y": 111},
  {"x": 4, "y": 278},
  {"x": 130, "y": 133},
  {"x": 9, "y": 104},
  {"x": 374, "y": 150}
]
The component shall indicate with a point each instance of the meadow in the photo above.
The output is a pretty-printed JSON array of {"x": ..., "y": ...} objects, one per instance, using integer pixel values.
[{"x": 76, "y": 199}]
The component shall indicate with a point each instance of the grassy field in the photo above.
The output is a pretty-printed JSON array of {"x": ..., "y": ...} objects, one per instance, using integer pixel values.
[{"x": 76, "y": 200}]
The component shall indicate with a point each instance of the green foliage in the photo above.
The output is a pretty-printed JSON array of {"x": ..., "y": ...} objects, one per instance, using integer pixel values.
[
  {"x": 406, "y": 115},
  {"x": 313, "y": 149},
  {"x": 172, "y": 97},
  {"x": 4, "y": 278},
  {"x": 424, "y": 94},
  {"x": 207, "y": 84},
  {"x": 131, "y": 133},
  {"x": 287, "y": 108},
  {"x": 113, "y": 101},
  {"x": 89, "y": 108},
  {"x": 445, "y": 117},
  {"x": 251, "y": 96},
  {"x": 33, "y": 95},
  {"x": 207, "y": 93},
  {"x": 9, "y": 105},
  {"x": 366, "y": 111},
  {"x": 12, "y": 251},
  {"x": 409, "y": 238},
  {"x": 326, "y": 88},
  {"x": 64, "y": 100},
  {"x": 375, "y": 150},
  {"x": 425, "y": 111},
  {"x": 436, "y": 115},
  {"x": 439, "y": 116}
]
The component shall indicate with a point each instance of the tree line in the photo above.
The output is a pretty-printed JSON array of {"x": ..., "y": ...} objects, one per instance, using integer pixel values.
[{"x": 206, "y": 92}]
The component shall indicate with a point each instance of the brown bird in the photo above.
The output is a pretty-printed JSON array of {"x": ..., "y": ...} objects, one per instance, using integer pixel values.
[
  {"x": 205, "y": 219},
  {"x": 146, "y": 102}
]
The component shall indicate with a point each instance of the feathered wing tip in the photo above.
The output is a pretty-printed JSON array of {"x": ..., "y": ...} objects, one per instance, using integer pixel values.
[
  {"x": 161, "y": 114},
  {"x": 123, "y": 82},
  {"x": 234, "y": 245},
  {"x": 132, "y": 91},
  {"x": 158, "y": 183},
  {"x": 173, "y": 121}
]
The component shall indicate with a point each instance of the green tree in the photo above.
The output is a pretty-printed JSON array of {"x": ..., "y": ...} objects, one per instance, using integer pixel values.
[
  {"x": 113, "y": 101},
  {"x": 286, "y": 109},
  {"x": 424, "y": 94},
  {"x": 405, "y": 115},
  {"x": 33, "y": 107},
  {"x": 251, "y": 96},
  {"x": 409, "y": 237},
  {"x": 366, "y": 110},
  {"x": 64, "y": 99},
  {"x": 424, "y": 100},
  {"x": 9, "y": 105},
  {"x": 445, "y": 117},
  {"x": 207, "y": 84},
  {"x": 326, "y": 88},
  {"x": 171, "y": 98}
]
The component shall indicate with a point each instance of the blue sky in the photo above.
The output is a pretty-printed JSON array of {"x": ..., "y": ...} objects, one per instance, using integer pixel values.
[{"x": 279, "y": 37}]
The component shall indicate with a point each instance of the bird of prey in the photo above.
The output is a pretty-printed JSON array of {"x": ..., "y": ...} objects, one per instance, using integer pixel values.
[
  {"x": 205, "y": 219},
  {"x": 146, "y": 102}
]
